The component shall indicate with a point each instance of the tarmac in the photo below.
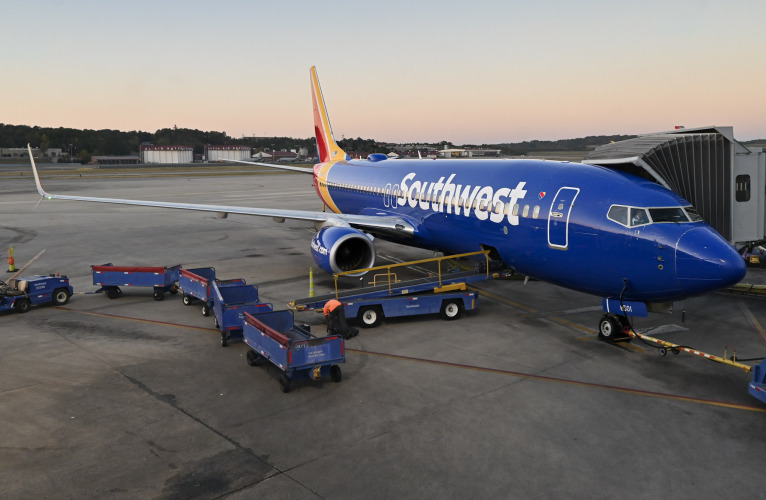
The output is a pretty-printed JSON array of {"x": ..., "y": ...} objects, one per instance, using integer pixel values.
[{"x": 136, "y": 398}]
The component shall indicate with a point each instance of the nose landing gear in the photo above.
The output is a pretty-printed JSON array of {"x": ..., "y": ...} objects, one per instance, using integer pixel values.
[{"x": 613, "y": 328}]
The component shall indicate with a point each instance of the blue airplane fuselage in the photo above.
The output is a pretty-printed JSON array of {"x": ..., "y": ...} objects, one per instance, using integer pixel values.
[{"x": 546, "y": 219}]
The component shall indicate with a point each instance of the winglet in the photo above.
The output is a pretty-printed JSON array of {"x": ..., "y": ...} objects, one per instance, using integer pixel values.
[
  {"x": 34, "y": 171},
  {"x": 327, "y": 148}
]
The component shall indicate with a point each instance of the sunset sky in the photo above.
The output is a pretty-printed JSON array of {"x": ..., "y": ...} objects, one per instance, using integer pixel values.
[{"x": 466, "y": 72}]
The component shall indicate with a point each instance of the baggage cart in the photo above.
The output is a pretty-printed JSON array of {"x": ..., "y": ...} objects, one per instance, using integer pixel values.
[
  {"x": 111, "y": 278},
  {"x": 274, "y": 337},
  {"x": 231, "y": 300},
  {"x": 195, "y": 284},
  {"x": 757, "y": 387}
]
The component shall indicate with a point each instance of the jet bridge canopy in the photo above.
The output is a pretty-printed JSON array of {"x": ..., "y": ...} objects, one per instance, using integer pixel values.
[{"x": 722, "y": 178}]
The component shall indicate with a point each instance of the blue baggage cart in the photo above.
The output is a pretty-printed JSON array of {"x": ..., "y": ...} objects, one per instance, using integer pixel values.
[
  {"x": 757, "y": 387},
  {"x": 111, "y": 278},
  {"x": 273, "y": 336},
  {"x": 195, "y": 284},
  {"x": 231, "y": 300}
]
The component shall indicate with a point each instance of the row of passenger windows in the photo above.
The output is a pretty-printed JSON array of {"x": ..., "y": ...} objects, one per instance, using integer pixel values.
[
  {"x": 455, "y": 202},
  {"x": 637, "y": 216}
]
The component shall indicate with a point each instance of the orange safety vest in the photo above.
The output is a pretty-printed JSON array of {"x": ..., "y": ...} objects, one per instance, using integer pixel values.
[{"x": 330, "y": 306}]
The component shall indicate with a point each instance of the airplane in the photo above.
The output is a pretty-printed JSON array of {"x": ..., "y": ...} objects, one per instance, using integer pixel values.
[{"x": 588, "y": 228}]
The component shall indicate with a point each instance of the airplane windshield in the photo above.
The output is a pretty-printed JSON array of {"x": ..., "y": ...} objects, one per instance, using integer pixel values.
[
  {"x": 673, "y": 214},
  {"x": 637, "y": 216}
]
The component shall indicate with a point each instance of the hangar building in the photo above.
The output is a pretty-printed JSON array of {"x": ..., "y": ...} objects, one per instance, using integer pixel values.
[
  {"x": 230, "y": 152},
  {"x": 166, "y": 154},
  {"x": 722, "y": 178}
]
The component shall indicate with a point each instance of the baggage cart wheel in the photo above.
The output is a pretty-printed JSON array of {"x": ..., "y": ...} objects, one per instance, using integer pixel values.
[
  {"x": 370, "y": 316},
  {"x": 284, "y": 383},
  {"x": 159, "y": 295},
  {"x": 252, "y": 358},
  {"x": 22, "y": 305},
  {"x": 113, "y": 293},
  {"x": 206, "y": 310},
  {"x": 335, "y": 373},
  {"x": 187, "y": 300},
  {"x": 60, "y": 297},
  {"x": 217, "y": 325},
  {"x": 224, "y": 340},
  {"x": 451, "y": 310}
]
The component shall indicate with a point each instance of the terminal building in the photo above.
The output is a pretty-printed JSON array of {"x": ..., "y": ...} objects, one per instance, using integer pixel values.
[
  {"x": 166, "y": 154},
  {"x": 724, "y": 179}
]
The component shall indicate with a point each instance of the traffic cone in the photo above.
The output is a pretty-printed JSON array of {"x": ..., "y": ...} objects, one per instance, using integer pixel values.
[{"x": 11, "y": 261}]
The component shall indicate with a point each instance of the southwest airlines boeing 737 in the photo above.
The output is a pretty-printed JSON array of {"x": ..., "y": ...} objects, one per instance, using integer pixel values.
[{"x": 584, "y": 227}]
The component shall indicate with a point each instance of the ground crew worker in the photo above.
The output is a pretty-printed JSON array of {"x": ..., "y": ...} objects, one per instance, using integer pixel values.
[{"x": 328, "y": 308}]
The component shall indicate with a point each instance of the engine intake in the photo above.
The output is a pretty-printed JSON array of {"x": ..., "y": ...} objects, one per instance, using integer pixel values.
[{"x": 341, "y": 249}]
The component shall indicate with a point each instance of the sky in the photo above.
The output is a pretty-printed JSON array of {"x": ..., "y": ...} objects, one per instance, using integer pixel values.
[{"x": 400, "y": 71}]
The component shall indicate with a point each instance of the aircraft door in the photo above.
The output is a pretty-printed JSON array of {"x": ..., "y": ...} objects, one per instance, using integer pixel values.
[
  {"x": 390, "y": 196},
  {"x": 558, "y": 217}
]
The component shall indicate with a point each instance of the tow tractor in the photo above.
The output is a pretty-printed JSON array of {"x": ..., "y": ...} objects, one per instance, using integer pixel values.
[
  {"x": 444, "y": 292},
  {"x": 22, "y": 293}
]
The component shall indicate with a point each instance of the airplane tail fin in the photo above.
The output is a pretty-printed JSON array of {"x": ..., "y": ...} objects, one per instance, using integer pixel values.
[{"x": 327, "y": 148}]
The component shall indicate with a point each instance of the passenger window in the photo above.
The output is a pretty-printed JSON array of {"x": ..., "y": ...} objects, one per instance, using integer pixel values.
[
  {"x": 618, "y": 214},
  {"x": 526, "y": 211},
  {"x": 536, "y": 212},
  {"x": 638, "y": 217},
  {"x": 516, "y": 210}
]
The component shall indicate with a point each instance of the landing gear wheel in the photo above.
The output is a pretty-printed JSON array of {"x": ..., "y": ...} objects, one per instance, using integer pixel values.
[
  {"x": 60, "y": 297},
  {"x": 187, "y": 300},
  {"x": 335, "y": 373},
  {"x": 609, "y": 328},
  {"x": 205, "y": 310},
  {"x": 451, "y": 310},
  {"x": 370, "y": 317},
  {"x": 284, "y": 383},
  {"x": 22, "y": 305},
  {"x": 252, "y": 358}
]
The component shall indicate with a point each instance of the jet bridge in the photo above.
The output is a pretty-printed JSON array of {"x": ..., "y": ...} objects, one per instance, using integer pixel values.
[{"x": 722, "y": 178}]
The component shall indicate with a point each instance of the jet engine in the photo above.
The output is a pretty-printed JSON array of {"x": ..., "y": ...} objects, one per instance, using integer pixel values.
[{"x": 337, "y": 249}]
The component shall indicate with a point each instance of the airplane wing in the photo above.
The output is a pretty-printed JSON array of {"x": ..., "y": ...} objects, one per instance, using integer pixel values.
[
  {"x": 305, "y": 170},
  {"x": 388, "y": 224}
]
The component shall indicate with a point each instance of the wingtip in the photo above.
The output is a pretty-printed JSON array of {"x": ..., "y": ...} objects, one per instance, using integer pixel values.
[{"x": 34, "y": 172}]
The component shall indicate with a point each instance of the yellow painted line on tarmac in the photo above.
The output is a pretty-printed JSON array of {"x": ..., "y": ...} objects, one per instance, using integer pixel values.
[
  {"x": 140, "y": 320},
  {"x": 499, "y": 298},
  {"x": 543, "y": 378}
]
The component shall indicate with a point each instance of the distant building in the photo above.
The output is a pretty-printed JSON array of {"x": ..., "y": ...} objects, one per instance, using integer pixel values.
[
  {"x": 230, "y": 152},
  {"x": 53, "y": 153},
  {"x": 166, "y": 154},
  {"x": 115, "y": 160},
  {"x": 467, "y": 153}
]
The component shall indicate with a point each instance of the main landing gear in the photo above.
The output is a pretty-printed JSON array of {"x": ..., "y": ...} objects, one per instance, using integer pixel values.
[{"x": 613, "y": 328}]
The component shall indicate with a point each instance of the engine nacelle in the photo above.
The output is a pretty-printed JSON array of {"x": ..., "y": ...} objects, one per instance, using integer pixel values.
[{"x": 339, "y": 249}]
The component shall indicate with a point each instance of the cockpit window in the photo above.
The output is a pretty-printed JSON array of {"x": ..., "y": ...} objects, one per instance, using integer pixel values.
[
  {"x": 619, "y": 214},
  {"x": 638, "y": 217},
  {"x": 694, "y": 216},
  {"x": 672, "y": 214}
]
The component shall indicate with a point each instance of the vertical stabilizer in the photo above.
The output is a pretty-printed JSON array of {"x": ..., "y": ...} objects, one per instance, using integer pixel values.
[{"x": 327, "y": 148}]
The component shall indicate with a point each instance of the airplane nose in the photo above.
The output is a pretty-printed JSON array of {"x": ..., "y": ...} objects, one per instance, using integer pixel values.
[{"x": 706, "y": 262}]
